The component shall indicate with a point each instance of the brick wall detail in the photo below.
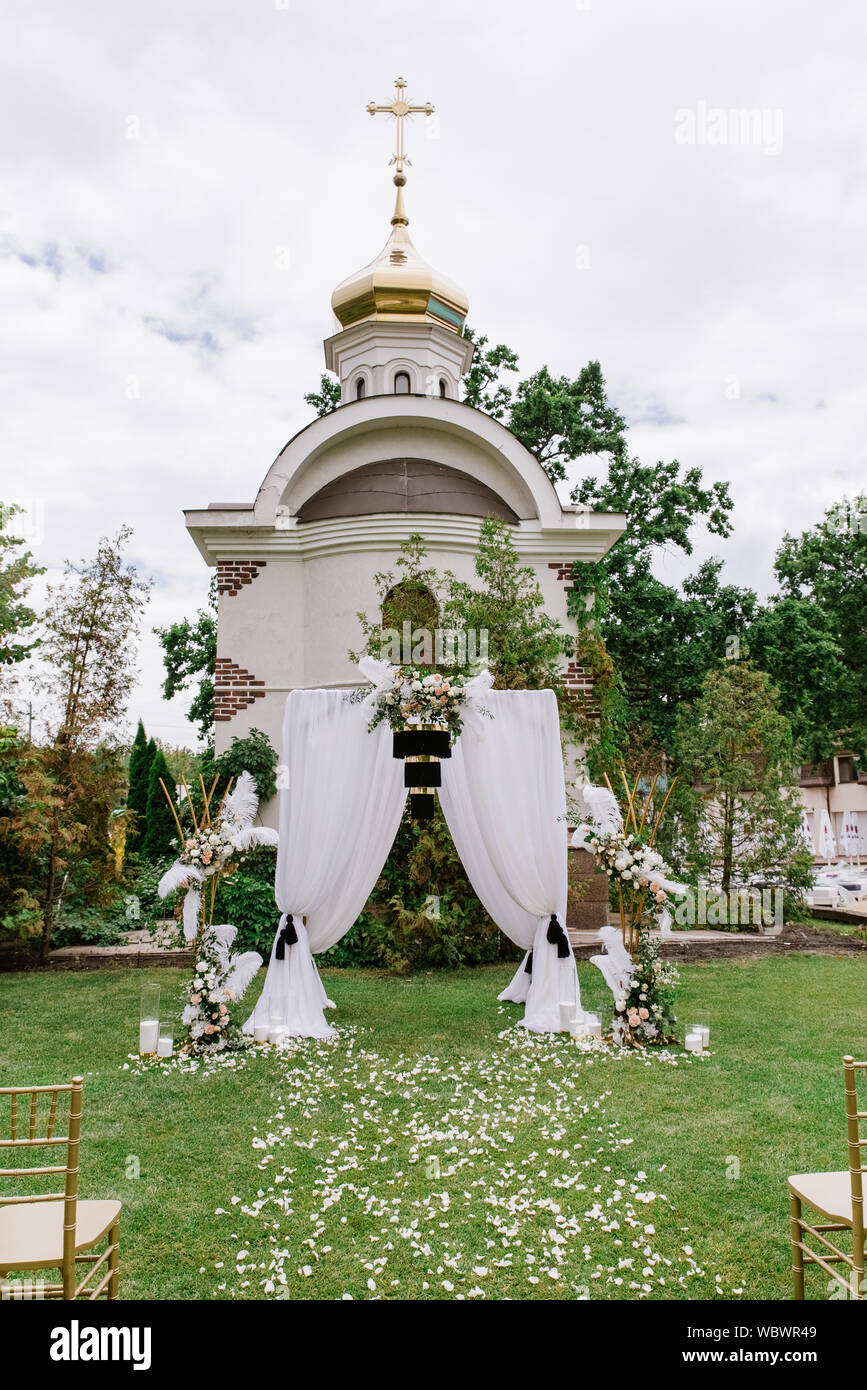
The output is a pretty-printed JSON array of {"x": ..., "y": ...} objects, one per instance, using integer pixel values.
[
  {"x": 232, "y": 575},
  {"x": 234, "y": 689}
]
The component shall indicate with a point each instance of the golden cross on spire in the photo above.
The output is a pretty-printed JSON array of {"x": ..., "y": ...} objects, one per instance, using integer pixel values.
[{"x": 400, "y": 108}]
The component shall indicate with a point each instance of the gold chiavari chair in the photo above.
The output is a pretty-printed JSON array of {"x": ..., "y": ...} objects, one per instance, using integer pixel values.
[
  {"x": 840, "y": 1198},
  {"x": 53, "y": 1230}
]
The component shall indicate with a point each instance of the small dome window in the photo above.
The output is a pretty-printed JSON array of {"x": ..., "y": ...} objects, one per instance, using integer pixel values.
[
  {"x": 401, "y": 384},
  {"x": 444, "y": 390},
  {"x": 360, "y": 389}
]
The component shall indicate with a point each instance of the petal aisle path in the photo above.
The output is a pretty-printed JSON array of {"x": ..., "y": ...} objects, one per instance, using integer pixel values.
[{"x": 498, "y": 1177}]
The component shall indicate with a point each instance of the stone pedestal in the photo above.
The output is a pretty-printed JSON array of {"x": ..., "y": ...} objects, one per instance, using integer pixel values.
[{"x": 587, "y": 908}]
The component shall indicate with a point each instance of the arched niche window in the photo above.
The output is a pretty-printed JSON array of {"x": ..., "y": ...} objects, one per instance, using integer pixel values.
[
  {"x": 401, "y": 383},
  {"x": 412, "y": 603},
  {"x": 360, "y": 389},
  {"x": 444, "y": 389}
]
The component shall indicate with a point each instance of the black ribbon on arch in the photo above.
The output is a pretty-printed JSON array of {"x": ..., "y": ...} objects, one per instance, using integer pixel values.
[
  {"x": 287, "y": 936},
  {"x": 558, "y": 938}
]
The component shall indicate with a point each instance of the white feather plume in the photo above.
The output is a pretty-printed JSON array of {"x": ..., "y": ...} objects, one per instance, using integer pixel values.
[
  {"x": 604, "y": 811},
  {"x": 243, "y": 802},
  {"x": 244, "y": 968},
  {"x": 667, "y": 885},
  {"x": 225, "y": 933},
  {"x": 192, "y": 903},
  {"x": 256, "y": 835},
  {"x": 580, "y": 839},
  {"x": 178, "y": 876}
]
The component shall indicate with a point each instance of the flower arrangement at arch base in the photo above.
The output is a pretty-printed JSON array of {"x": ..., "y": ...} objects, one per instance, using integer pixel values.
[
  {"x": 642, "y": 983},
  {"x": 214, "y": 849}
]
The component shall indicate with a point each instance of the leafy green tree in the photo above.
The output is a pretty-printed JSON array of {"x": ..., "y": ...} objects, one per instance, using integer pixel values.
[
  {"x": 190, "y": 658},
  {"x": 483, "y": 386},
  {"x": 327, "y": 398},
  {"x": 525, "y": 645},
  {"x": 140, "y": 760},
  {"x": 738, "y": 803},
  {"x": 794, "y": 641},
  {"x": 16, "y": 572},
  {"x": 254, "y": 753},
  {"x": 160, "y": 829},
  {"x": 827, "y": 566}
]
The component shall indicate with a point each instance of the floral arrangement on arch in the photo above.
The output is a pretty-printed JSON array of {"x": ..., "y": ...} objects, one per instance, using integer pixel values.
[
  {"x": 219, "y": 979},
  {"x": 643, "y": 985},
  {"x": 214, "y": 848},
  {"x": 407, "y": 696}
]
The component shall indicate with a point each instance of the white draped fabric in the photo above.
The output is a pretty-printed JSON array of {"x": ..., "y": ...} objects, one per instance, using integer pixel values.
[
  {"x": 504, "y": 799},
  {"x": 503, "y": 795},
  {"x": 339, "y": 815}
]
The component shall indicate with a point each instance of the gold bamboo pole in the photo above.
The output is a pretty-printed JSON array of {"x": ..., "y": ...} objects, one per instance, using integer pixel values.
[
  {"x": 662, "y": 809},
  {"x": 173, "y": 811},
  {"x": 647, "y": 802},
  {"x": 225, "y": 794},
  {"x": 190, "y": 804}
]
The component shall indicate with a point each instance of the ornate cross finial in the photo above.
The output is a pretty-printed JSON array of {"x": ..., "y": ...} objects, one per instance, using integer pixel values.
[{"x": 400, "y": 108}]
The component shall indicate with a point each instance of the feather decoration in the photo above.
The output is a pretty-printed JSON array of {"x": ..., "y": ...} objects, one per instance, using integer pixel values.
[
  {"x": 225, "y": 934},
  {"x": 178, "y": 876},
  {"x": 379, "y": 673},
  {"x": 243, "y": 969},
  {"x": 580, "y": 838},
  {"x": 604, "y": 811},
  {"x": 667, "y": 885},
  {"x": 243, "y": 802},
  {"x": 192, "y": 904},
  {"x": 250, "y": 835}
]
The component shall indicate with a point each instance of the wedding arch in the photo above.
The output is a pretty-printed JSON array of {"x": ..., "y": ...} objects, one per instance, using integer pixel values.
[{"x": 503, "y": 795}]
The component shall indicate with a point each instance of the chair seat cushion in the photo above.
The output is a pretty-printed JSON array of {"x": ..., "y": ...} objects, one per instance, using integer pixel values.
[
  {"x": 31, "y": 1233},
  {"x": 829, "y": 1193}
]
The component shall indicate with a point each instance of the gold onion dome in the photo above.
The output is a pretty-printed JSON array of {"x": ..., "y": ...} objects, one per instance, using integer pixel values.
[{"x": 398, "y": 286}]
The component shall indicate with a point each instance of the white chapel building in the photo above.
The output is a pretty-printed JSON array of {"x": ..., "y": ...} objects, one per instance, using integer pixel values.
[{"x": 400, "y": 454}]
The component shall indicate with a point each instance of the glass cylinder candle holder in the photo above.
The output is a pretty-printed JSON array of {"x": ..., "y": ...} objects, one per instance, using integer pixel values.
[
  {"x": 701, "y": 1025},
  {"x": 149, "y": 1019},
  {"x": 166, "y": 1040}
]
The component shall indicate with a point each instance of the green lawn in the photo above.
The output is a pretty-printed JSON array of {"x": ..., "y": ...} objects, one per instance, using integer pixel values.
[{"x": 433, "y": 1151}]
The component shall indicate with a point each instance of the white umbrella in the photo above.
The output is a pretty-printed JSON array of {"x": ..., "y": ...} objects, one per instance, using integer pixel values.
[
  {"x": 807, "y": 830},
  {"x": 827, "y": 839}
]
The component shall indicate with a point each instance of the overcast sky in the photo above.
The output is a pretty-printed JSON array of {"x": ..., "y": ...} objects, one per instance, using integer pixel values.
[{"x": 183, "y": 183}]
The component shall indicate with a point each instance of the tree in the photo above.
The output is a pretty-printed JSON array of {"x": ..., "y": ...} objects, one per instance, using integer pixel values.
[
  {"x": 160, "y": 829},
  {"x": 190, "y": 657},
  {"x": 140, "y": 761},
  {"x": 88, "y": 643},
  {"x": 16, "y": 573},
  {"x": 327, "y": 398},
  {"x": 738, "y": 801},
  {"x": 827, "y": 566},
  {"x": 525, "y": 645},
  {"x": 483, "y": 387},
  {"x": 254, "y": 753}
]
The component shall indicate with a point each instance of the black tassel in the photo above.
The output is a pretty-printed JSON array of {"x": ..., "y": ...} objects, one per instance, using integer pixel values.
[
  {"x": 558, "y": 938},
  {"x": 287, "y": 936},
  {"x": 528, "y": 968},
  {"x": 421, "y": 805}
]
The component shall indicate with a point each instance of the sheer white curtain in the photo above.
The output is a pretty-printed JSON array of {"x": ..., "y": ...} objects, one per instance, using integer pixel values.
[
  {"x": 504, "y": 798},
  {"x": 339, "y": 815}
]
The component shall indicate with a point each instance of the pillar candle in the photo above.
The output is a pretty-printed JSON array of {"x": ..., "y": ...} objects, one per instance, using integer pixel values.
[
  {"x": 148, "y": 1036},
  {"x": 260, "y": 1032},
  {"x": 567, "y": 1015},
  {"x": 165, "y": 1047}
]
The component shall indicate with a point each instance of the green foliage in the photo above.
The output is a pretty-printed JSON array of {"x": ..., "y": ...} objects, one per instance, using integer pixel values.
[
  {"x": 737, "y": 796},
  {"x": 86, "y": 927},
  {"x": 160, "y": 830},
  {"x": 483, "y": 388},
  {"x": 190, "y": 658},
  {"x": 525, "y": 645},
  {"x": 16, "y": 572},
  {"x": 140, "y": 760},
  {"x": 422, "y": 914},
  {"x": 827, "y": 567},
  {"x": 327, "y": 398},
  {"x": 246, "y": 899},
  {"x": 254, "y": 753}
]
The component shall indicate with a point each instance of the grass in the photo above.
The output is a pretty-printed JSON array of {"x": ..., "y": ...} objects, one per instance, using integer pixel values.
[{"x": 422, "y": 1146}]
